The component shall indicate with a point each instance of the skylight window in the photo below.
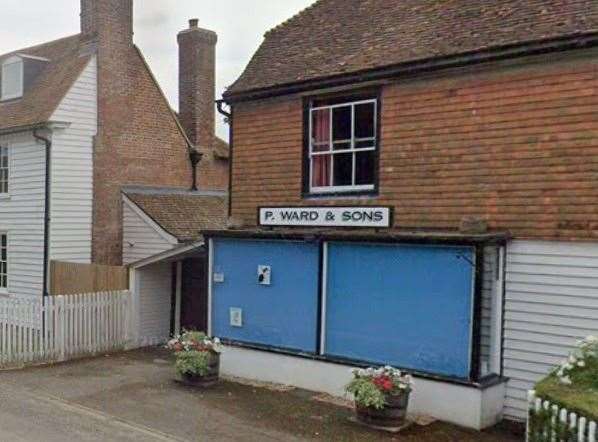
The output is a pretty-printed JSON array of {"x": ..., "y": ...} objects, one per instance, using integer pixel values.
[{"x": 12, "y": 79}]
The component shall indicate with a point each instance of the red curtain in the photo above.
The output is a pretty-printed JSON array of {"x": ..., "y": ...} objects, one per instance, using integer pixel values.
[{"x": 321, "y": 163}]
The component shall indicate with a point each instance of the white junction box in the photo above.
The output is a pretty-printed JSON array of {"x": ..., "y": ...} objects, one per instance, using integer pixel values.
[
  {"x": 236, "y": 317},
  {"x": 264, "y": 275},
  {"x": 218, "y": 277}
]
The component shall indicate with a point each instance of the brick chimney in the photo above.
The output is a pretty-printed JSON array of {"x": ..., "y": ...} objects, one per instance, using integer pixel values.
[
  {"x": 107, "y": 32},
  {"x": 197, "y": 89},
  {"x": 103, "y": 20}
]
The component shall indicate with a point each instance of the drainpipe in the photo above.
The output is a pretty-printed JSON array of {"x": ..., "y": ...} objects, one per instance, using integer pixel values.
[
  {"x": 48, "y": 144},
  {"x": 229, "y": 119},
  {"x": 195, "y": 157}
]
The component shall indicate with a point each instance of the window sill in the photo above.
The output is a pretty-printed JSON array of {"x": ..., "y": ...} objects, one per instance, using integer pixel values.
[
  {"x": 358, "y": 194},
  {"x": 4, "y": 196},
  {"x": 10, "y": 98}
]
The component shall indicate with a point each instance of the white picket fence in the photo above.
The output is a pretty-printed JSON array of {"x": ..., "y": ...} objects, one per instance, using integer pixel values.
[
  {"x": 63, "y": 327},
  {"x": 585, "y": 430}
]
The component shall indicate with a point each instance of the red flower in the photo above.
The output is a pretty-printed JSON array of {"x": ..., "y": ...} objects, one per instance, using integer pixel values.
[{"x": 383, "y": 383}]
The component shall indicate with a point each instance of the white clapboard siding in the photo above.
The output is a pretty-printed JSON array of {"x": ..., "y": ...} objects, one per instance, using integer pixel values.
[
  {"x": 72, "y": 170},
  {"x": 60, "y": 328},
  {"x": 155, "y": 291},
  {"x": 22, "y": 214},
  {"x": 551, "y": 302},
  {"x": 142, "y": 237}
]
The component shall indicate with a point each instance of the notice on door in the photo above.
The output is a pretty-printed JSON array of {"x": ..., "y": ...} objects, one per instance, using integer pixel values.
[{"x": 372, "y": 217}]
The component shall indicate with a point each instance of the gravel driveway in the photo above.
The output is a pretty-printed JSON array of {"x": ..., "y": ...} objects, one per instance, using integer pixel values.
[{"x": 132, "y": 397}]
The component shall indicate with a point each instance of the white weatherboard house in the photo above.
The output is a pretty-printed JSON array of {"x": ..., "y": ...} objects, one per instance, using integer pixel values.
[{"x": 46, "y": 163}]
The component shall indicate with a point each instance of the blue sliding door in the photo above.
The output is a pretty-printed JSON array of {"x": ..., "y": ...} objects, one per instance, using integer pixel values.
[
  {"x": 408, "y": 306},
  {"x": 283, "y": 313}
]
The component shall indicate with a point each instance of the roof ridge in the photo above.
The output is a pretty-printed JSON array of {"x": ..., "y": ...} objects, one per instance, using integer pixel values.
[
  {"x": 40, "y": 45},
  {"x": 293, "y": 18}
]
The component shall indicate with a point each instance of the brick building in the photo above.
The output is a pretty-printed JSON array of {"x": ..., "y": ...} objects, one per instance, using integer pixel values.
[{"x": 417, "y": 184}]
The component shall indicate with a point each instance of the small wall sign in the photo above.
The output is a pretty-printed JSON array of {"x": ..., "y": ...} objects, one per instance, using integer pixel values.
[{"x": 372, "y": 217}]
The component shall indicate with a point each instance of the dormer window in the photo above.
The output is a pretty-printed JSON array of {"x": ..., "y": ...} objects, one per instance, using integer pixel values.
[{"x": 12, "y": 79}]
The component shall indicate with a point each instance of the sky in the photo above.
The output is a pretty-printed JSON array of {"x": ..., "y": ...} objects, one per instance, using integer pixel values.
[{"x": 240, "y": 25}]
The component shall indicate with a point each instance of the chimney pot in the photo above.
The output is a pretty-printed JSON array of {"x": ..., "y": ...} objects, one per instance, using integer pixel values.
[{"x": 193, "y": 23}]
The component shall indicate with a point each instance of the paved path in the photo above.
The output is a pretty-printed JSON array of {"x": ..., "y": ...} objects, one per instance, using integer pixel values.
[
  {"x": 29, "y": 416},
  {"x": 132, "y": 397}
]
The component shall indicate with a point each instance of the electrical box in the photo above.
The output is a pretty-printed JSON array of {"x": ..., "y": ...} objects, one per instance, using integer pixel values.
[
  {"x": 264, "y": 275},
  {"x": 219, "y": 277},
  {"x": 236, "y": 317}
]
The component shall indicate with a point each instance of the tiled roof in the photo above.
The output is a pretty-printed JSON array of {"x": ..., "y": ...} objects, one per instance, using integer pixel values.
[
  {"x": 182, "y": 213},
  {"x": 336, "y": 37},
  {"x": 39, "y": 102}
]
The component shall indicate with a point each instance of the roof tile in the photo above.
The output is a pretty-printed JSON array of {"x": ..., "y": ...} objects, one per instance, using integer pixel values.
[
  {"x": 336, "y": 37},
  {"x": 183, "y": 215},
  {"x": 39, "y": 102}
]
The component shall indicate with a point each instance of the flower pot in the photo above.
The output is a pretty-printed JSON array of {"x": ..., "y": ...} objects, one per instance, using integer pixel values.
[
  {"x": 207, "y": 380},
  {"x": 393, "y": 415}
]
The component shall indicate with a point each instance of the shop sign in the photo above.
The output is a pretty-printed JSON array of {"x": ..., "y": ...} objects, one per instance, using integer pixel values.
[{"x": 372, "y": 217}]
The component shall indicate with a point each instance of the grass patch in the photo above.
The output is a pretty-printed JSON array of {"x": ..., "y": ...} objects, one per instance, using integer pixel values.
[
  {"x": 574, "y": 384},
  {"x": 578, "y": 397}
]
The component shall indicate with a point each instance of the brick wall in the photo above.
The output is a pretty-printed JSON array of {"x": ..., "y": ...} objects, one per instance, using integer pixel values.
[
  {"x": 516, "y": 145},
  {"x": 212, "y": 172}
]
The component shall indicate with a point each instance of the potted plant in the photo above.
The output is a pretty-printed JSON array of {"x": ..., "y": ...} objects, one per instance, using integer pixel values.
[
  {"x": 197, "y": 358},
  {"x": 381, "y": 396}
]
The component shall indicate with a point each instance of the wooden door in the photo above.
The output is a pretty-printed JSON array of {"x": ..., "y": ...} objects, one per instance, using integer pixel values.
[{"x": 194, "y": 295}]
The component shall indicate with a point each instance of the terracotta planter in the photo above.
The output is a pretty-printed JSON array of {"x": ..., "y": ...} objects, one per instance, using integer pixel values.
[
  {"x": 393, "y": 415},
  {"x": 211, "y": 378}
]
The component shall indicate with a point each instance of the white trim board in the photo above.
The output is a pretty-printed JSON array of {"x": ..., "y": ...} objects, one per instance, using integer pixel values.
[{"x": 166, "y": 255}]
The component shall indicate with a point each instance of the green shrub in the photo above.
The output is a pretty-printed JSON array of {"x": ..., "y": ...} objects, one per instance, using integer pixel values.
[
  {"x": 194, "y": 352},
  {"x": 573, "y": 386},
  {"x": 370, "y": 386},
  {"x": 193, "y": 363}
]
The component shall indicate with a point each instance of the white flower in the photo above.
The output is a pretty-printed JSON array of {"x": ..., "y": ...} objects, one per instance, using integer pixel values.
[
  {"x": 581, "y": 363},
  {"x": 566, "y": 380}
]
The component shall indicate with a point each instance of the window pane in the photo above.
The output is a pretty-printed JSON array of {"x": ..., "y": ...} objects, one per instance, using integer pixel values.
[
  {"x": 341, "y": 146},
  {"x": 364, "y": 168},
  {"x": 3, "y": 170},
  {"x": 341, "y": 123},
  {"x": 343, "y": 169},
  {"x": 11, "y": 79},
  {"x": 321, "y": 126},
  {"x": 321, "y": 171},
  {"x": 365, "y": 120},
  {"x": 365, "y": 144}
]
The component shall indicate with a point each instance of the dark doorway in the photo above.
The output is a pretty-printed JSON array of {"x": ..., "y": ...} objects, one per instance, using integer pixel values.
[{"x": 194, "y": 295}]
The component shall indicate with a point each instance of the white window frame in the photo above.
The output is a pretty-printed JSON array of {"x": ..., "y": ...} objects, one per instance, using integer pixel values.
[
  {"x": 332, "y": 153},
  {"x": 4, "y": 150},
  {"x": 4, "y": 95},
  {"x": 4, "y": 290}
]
